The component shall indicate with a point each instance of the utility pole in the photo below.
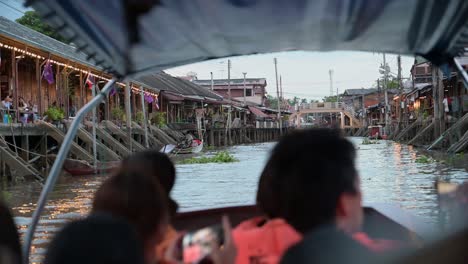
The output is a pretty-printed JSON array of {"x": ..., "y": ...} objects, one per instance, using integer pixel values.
[
  {"x": 281, "y": 89},
  {"x": 400, "y": 86},
  {"x": 386, "y": 95},
  {"x": 278, "y": 95},
  {"x": 245, "y": 91},
  {"x": 229, "y": 79},
  {"x": 330, "y": 73},
  {"x": 212, "y": 83}
]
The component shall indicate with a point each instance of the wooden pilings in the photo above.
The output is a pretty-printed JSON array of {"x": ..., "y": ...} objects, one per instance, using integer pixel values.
[{"x": 218, "y": 137}]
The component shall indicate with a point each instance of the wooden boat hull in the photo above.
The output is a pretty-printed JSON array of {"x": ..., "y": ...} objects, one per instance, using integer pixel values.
[{"x": 82, "y": 168}]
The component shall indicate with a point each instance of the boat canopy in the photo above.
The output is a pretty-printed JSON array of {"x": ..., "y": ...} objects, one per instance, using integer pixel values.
[{"x": 133, "y": 37}]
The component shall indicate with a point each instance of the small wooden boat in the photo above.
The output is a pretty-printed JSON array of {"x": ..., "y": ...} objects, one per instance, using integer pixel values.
[
  {"x": 83, "y": 168},
  {"x": 195, "y": 147},
  {"x": 376, "y": 132}
]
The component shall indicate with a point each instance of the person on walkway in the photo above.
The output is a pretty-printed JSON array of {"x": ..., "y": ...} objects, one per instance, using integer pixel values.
[
  {"x": 6, "y": 102},
  {"x": 10, "y": 248},
  {"x": 97, "y": 239},
  {"x": 139, "y": 200}
]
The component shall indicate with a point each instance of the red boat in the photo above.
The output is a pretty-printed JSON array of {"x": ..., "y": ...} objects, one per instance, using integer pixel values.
[{"x": 83, "y": 168}]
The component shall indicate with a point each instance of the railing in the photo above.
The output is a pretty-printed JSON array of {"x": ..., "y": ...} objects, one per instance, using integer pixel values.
[
  {"x": 57, "y": 166},
  {"x": 325, "y": 105}
]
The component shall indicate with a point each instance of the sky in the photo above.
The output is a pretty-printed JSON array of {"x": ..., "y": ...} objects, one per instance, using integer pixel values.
[{"x": 303, "y": 74}]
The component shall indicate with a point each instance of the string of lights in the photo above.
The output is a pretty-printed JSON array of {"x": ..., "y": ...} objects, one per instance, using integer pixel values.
[{"x": 85, "y": 71}]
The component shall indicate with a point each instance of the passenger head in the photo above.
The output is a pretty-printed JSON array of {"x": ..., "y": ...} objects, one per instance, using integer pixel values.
[
  {"x": 10, "y": 249},
  {"x": 98, "y": 239},
  {"x": 311, "y": 180},
  {"x": 138, "y": 199},
  {"x": 155, "y": 165}
]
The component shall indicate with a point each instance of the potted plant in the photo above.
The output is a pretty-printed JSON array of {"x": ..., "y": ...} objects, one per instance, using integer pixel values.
[
  {"x": 118, "y": 114},
  {"x": 159, "y": 119},
  {"x": 139, "y": 117},
  {"x": 54, "y": 114}
]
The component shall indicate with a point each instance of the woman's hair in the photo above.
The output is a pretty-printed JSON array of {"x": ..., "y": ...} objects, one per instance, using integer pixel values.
[
  {"x": 137, "y": 198},
  {"x": 156, "y": 165},
  {"x": 9, "y": 239},
  {"x": 306, "y": 174},
  {"x": 99, "y": 239}
]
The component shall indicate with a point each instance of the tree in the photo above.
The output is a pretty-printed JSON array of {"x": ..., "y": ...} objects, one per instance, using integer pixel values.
[
  {"x": 271, "y": 102},
  {"x": 330, "y": 99},
  {"x": 33, "y": 21},
  {"x": 392, "y": 83}
]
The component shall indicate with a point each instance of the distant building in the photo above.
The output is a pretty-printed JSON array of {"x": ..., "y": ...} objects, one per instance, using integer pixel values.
[{"x": 255, "y": 89}]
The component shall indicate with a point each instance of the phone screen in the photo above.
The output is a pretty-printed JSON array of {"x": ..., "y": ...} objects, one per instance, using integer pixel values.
[{"x": 199, "y": 244}]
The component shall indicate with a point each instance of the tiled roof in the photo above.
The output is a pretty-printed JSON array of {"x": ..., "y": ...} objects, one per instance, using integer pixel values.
[{"x": 30, "y": 37}]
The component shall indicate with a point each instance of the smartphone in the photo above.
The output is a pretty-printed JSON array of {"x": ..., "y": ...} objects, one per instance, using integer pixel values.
[{"x": 199, "y": 244}]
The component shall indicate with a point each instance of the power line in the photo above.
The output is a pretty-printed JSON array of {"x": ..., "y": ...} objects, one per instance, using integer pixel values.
[{"x": 12, "y": 7}]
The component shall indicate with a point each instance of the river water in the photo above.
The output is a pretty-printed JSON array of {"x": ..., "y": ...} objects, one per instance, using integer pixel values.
[{"x": 388, "y": 173}]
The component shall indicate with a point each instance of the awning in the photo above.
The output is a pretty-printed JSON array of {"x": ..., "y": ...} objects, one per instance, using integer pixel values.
[
  {"x": 257, "y": 112},
  {"x": 134, "y": 37},
  {"x": 172, "y": 97}
]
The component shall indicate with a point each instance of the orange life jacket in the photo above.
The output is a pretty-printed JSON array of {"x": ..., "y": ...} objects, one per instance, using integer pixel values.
[
  {"x": 376, "y": 245},
  {"x": 263, "y": 244}
]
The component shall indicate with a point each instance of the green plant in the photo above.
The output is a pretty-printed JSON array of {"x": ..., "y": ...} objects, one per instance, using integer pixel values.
[
  {"x": 139, "y": 117},
  {"x": 424, "y": 159},
  {"x": 159, "y": 119},
  {"x": 367, "y": 141},
  {"x": 220, "y": 157},
  {"x": 118, "y": 113},
  {"x": 54, "y": 113}
]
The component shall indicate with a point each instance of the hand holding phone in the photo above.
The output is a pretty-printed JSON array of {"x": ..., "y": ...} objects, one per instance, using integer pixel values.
[{"x": 212, "y": 244}]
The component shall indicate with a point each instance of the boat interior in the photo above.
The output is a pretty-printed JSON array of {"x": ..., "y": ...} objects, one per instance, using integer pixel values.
[
  {"x": 131, "y": 38},
  {"x": 376, "y": 224}
]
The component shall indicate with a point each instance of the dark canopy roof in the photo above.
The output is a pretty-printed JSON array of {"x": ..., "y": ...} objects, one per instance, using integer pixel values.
[
  {"x": 135, "y": 36},
  {"x": 165, "y": 82}
]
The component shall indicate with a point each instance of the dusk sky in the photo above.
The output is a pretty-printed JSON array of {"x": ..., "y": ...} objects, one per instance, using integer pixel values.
[{"x": 304, "y": 74}]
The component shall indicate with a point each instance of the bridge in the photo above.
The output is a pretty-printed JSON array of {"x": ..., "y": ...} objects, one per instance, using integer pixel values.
[{"x": 347, "y": 119}]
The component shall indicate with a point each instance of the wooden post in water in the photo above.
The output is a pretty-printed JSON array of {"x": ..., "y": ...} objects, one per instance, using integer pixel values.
[
  {"x": 145, "y": 119},
  {"x": 94, "y": 128},
  {"x": 128, "y": 114},
  {"x": 25, "y": 147}
]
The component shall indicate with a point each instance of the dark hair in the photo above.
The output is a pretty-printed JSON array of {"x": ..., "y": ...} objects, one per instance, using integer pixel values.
[
  {"x": 155, "y": 165},
  {"x": 307, "y": 172},
  {"x": 99, "y": 238},
  {"x": 9, "y": 238},
  {"x": 138, "y": 199}
]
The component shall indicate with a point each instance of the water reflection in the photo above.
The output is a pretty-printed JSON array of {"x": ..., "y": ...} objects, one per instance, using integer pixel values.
[{"x": 388, "y": 173}]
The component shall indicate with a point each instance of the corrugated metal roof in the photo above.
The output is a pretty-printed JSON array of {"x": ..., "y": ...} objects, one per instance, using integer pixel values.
[
  {"x": 359, "y": 91},
  {"x": 165, "y": 82},
  {"x": 249, "y": 81}
]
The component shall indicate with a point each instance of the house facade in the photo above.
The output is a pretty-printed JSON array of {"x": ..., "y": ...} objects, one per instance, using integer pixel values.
[{"x": 255, "y": 89}]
